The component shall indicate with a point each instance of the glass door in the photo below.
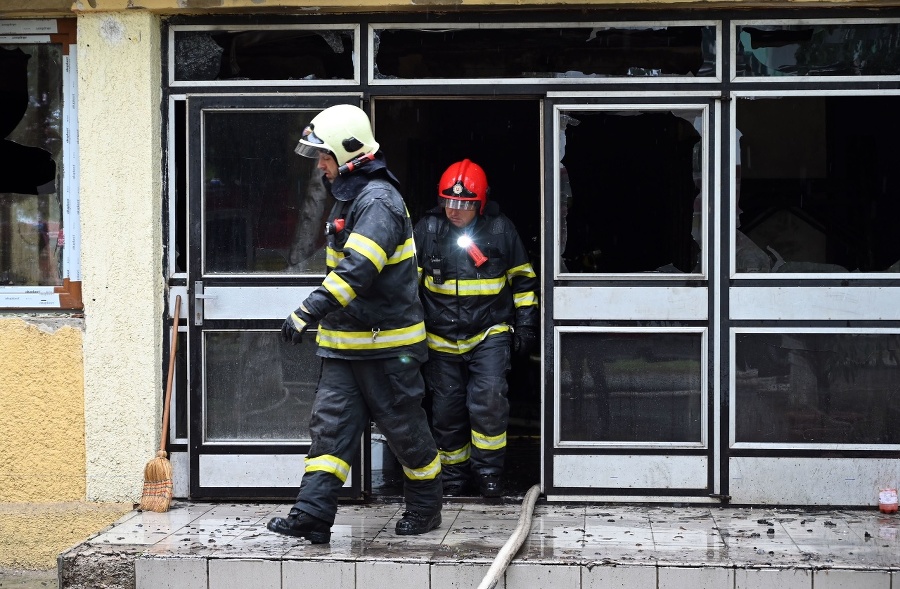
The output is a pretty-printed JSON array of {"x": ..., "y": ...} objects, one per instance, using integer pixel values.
[
  {"x": 256, "y": 215},
  {"x": 629, "y": 314}
]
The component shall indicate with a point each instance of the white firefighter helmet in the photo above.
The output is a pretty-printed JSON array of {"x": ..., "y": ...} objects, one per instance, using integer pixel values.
[{"x": 343, "y": 130}]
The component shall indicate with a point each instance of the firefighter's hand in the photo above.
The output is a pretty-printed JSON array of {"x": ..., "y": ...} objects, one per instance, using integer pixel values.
[
  {"x": 525, "y": 340},
  {"x": 295, "y": 326}
]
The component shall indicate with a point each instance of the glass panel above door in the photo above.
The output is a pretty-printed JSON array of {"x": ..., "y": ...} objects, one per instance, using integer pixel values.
[
  {"x": 631, "y": 190},
  {"x": 823, "y": 49},
  {"x": 257, "y": 389},
  {"x": 263, "y": 205},
  {"x": 819, "y": 188},
  {"x": 243, "y": 55},
  {"x": 557, "y": 51}
]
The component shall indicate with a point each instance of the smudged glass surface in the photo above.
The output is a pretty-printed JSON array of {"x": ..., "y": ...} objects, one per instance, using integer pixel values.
[
  {"x": 817, "y": 388},
  {"x": 32, "y": 235},
  {"x": 819, "y": 189},
  {"x": 257, "y": 387},
  {"x": 630, "y": 387},
  {"x": 264, "y": 206},
  {"x": 293, "y": 54},
  {"x": 818, "y": 50},
  {"x": 532, "y": 52}
]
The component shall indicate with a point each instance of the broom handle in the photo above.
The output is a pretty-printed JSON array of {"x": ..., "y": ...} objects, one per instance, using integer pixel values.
[{"x": 174, "y": 347}]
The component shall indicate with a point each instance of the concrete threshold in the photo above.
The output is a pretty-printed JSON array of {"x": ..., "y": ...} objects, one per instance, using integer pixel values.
[{"x": 204, "y": 545}]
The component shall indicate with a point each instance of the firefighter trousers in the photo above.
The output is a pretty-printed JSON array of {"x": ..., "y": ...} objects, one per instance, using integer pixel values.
[
  {"x": 350, "y": 394},
  {"x": 469, "y": 408}
]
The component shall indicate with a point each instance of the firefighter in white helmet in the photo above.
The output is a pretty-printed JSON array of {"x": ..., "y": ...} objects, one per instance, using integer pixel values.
[{"x": 371, "y": 335}]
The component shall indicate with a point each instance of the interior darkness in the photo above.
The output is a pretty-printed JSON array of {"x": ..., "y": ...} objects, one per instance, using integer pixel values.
[
  {"x": 421, "y": 138},
  {"x": 632, "y": 193}
]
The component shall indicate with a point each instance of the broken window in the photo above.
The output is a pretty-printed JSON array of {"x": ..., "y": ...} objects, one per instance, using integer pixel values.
[
  {"x": 819, "y": 190},
  {"x": 38, "y": 187},
  {"x": 843, "y": 49},
  {"x": 631, "y": 193},
  {"x": 544, "y": 52},
  {"x": 817, "y": 388},
  {"x": 264, "y": 54}
]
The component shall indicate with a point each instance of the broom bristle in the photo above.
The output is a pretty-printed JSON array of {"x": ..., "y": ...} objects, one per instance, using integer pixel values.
[{"x": 157, "y": 484}]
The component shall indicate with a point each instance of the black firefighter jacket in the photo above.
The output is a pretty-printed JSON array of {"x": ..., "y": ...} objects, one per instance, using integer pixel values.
[
  {"x": 464, "y": 304},
  {"x": 368, "y": 306}
]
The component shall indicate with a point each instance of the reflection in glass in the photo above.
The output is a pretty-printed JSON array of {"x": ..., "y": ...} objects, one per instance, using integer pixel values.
[
  {"x": 633, "y": 198},
  {"x": 819, "y": 185},
  {"x": 264, "y": 206},
  {"x": 293, "y": 54},
  {"x": 31, "y": 215},
  {"x": 571, "y": 52},
  {"x": 257, "y": 387},
  {"x": 630, "y": 387},
  {"x": 846, "y": 49},
  {"x": 817, "y": 388}
]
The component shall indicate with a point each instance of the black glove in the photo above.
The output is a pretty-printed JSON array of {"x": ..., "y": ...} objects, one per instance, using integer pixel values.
[
  {"x": 525, "y": 339},
  {"x": 295, "y": 325}
]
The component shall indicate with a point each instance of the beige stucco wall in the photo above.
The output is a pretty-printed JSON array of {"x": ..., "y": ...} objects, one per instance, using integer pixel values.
[
  {"x": 41, "y": 410},
  {"x": 119, "y": 94}
]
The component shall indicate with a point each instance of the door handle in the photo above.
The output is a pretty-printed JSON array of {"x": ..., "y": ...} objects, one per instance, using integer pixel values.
[{"x": 198, "y": 302}]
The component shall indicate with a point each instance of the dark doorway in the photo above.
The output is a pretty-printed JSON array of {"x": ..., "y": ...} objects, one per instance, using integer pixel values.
[{"x": 421, "y": 138}]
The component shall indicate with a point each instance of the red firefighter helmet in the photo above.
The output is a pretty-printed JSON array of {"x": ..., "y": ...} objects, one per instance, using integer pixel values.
[{"x": 463, "y": 186}]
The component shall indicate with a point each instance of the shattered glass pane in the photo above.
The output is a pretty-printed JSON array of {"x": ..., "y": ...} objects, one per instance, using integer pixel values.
[
  {"x": 294, "y": 54},
  {"x": 257, "y": 388},
  {"x": 630, "y": 387},
  {"x": 264, "y": 207},
  {"x": 836, "y": 388},
  {"x": 576, "y": 52},
  {"x": 31, "y": 217},
  {"x": 632, "y": 198},
  {"x": 819, "y": 188},
  {"x": 819, "y": 50}
]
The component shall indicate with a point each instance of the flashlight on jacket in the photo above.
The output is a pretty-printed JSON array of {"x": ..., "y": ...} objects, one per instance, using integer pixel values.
[
  {"x": 334, "y": 227},
  {"x": 467, "y": 244}
]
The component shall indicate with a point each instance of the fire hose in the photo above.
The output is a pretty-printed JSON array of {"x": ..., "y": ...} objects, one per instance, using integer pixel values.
[{"x": 508, "y": 551}]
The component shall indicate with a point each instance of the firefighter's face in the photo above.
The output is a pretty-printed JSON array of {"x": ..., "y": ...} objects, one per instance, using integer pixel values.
[
  {"x": 460, "y": 217},
  {"x": 328, "y": 165}
]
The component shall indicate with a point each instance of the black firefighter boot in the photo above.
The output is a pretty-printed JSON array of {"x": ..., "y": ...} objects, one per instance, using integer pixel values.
[
  {"x": 414, "y": 523},
  {"x": 302, "y": 525}
]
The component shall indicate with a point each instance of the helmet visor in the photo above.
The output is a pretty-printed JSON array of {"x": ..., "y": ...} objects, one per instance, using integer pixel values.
[
  {"x": 310, "y": 145},
  {"x": 453, "y": 203}
]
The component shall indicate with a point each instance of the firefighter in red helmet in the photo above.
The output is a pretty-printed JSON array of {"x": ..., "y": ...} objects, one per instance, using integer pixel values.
[{"x": 479, "y": 291}]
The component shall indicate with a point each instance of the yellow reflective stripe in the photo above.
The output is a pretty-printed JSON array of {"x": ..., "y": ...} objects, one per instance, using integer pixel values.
[
  {"x": 524, "y": 270},
  {"x": 371, "y": 340},
  {"x": 404, "y": 251},
  {"x": 332, "y": 257},
  {"x": 524, "y": 299},
  {"x": 426, "y": 473},
  {"x": 485, "y": 286},
  {"x": 456, "y": 456},
  {"x": 484, "y": 442},
  {"x": 328, "y": 463},
  {"x": 440, "y": 344},
  {"x": 339, "y": 289},
  {"x": 368, "y": 248},
  {"x": 419, "y": 272}
]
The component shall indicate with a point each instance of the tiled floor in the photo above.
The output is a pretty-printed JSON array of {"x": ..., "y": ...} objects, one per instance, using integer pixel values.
[{"x": 217, "y": 545}]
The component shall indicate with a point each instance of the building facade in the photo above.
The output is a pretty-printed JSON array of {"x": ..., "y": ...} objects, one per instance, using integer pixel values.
[{"x": 708, "y": 192}]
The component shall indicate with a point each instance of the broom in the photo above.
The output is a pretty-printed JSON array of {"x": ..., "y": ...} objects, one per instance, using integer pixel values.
[{"x": 158, "y": 472}]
